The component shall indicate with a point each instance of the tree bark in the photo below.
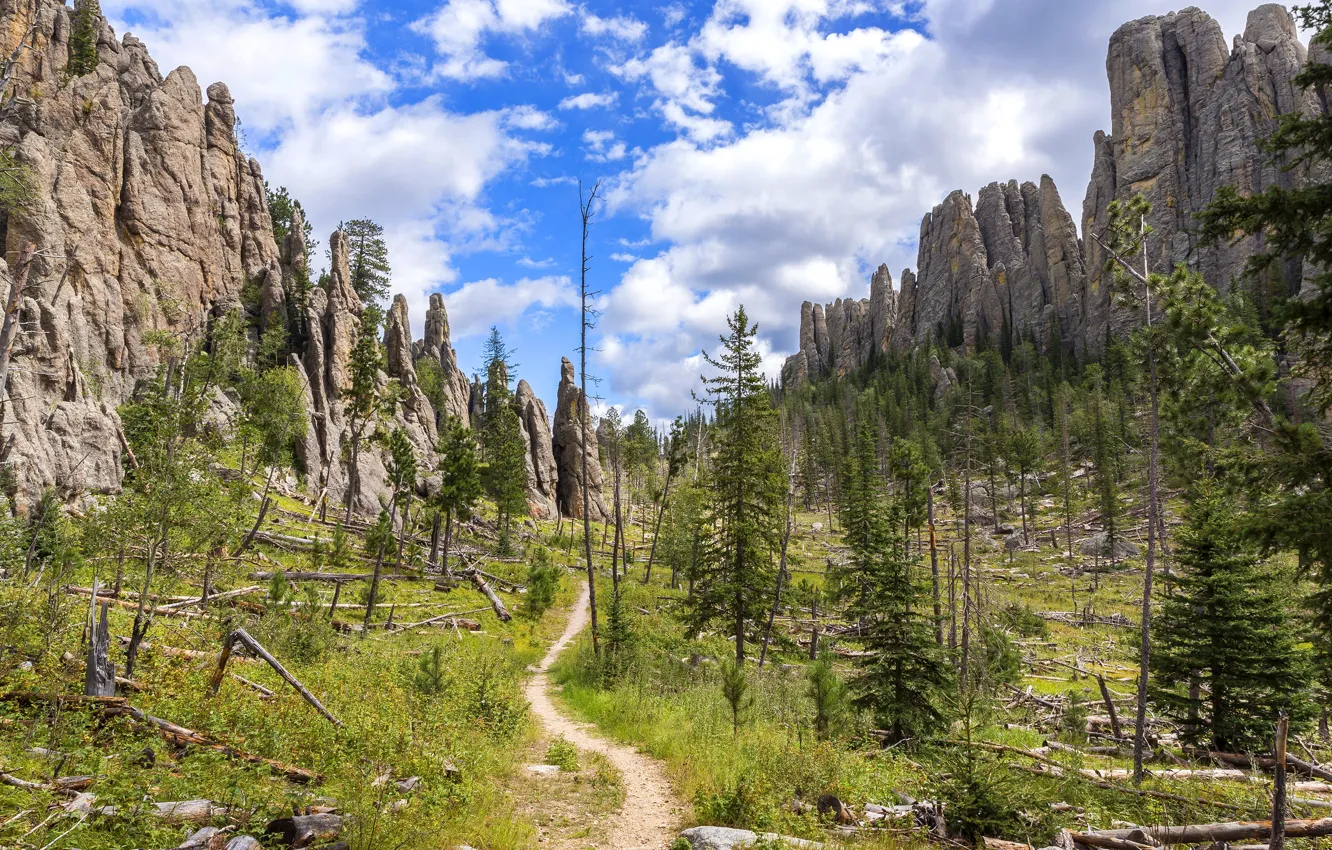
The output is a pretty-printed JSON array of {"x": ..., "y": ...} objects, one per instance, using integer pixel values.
[{"x": 243, "y": 637}]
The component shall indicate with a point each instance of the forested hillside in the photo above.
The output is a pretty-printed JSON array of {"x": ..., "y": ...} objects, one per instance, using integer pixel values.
[{"x": 1032, "y": 552}]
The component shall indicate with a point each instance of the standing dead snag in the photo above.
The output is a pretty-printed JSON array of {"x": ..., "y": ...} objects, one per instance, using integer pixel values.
[
  {"x": 100, "y": 678},
  {"x": 242, "y": 637},
  {"x": 1278, "y": 839}
]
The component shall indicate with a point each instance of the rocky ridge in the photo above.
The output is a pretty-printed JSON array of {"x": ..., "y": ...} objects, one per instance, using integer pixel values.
[
  {"x": 149, "y": 221},
  {"x": 1188, "y": 117}
]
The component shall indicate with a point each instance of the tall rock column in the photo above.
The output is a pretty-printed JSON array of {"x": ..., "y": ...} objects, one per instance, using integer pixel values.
[
  {"x": 542, "y": 471},
  {"x": 573, "y": 439}
]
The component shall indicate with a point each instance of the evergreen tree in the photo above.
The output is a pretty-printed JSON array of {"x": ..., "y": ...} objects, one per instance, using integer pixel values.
[
  {"x": 1294, "y": 223},
  {"x": 905, "y": 678},
  {"x": 1227, "y": 657},
  {"x": 368, "y": 258},
  {"x": 459, "y": 485},
  {"x": 362, "y": 398},
  {"x": 83, "y": 38},
  {"x": 745, "y": 489},
  {"x": 505, "y": 474}
]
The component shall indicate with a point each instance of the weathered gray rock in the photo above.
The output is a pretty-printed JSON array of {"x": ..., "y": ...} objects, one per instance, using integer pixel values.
[
  {"x": 457, "y": 390},
  {"x": 726, "y": 838},
  {"x": 1099, "y": 545},
  {"x": 573, "y": 438},
  {"x": 542, "y": 471},
  {"x": 1189, "y": 116},
  {"x": 146, "y": 217}
]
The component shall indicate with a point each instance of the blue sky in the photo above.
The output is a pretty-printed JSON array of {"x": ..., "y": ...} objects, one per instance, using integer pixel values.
[{"x": 762, "y": 152}]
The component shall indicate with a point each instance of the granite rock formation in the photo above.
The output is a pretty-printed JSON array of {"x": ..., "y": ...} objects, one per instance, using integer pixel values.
[
  {"x": 1189, "y": 116},
  {"x": 574, "y": 436},
  {"x": 148, "y": 218}
]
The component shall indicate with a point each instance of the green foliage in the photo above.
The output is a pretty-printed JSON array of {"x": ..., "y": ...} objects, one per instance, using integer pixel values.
[
  {"x": 905, "y": 677},
  {"x": 1073, "y": 720},
  {"x": 827, "y": 693},
  {"x": 430, "y": 678},
  {"x": 562, "y": 754},
  {"x": 505, "y": 473},
  {"x": 983, "y": 801},
  {"x": 368, "y": 259},
  {"x": 734, "y": 575},
  {"x": 17, "y": 189},
  {"x": 273, "y": 414},
  {"x": 379, "y": 536},
  {"x": 83, "y": 38},
  {"x": 543, "y": 583},
  {"x": 735, "y": 690},
  {"x": 1020, "y": 618},
  {"x": 1227, "y": 631},
  {"x": 618, "y": 636}
]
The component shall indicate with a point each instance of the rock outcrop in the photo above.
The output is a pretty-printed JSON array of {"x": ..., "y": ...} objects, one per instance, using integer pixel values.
[
  {"x": 148, "y": 218},
  {"x": 575, "y": 437},
  {"x": 542, "y": 471},
  {"x": 1188, "y": 117},
  {"x": 456, "y": 389}
]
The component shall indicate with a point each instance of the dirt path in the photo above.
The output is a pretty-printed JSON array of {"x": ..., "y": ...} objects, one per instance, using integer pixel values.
[{"x": 651, "y": 812}]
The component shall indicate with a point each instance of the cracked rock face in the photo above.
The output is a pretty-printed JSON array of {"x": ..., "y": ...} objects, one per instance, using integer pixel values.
[
  {"x": 147, "y": 218},
  {"x": 1189, "y": 116},
  {"x": 573, "y": 438}
]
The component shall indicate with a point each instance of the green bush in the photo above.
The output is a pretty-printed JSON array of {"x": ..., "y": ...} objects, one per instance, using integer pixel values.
[
  {"x": 1019, "y": 617},
  {"x": 563, "y": 755}
]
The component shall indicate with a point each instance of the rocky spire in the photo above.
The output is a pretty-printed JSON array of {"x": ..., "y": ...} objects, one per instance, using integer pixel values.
[
  {"x": 542, "y": 471},
  {"x": 457, "y": 391},
  {"x": 573, "y": 437}
]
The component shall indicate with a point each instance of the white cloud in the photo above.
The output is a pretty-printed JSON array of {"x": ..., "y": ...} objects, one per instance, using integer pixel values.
[
  {"x": 477, "y": 305},
  {"x": 620, "y": 28},
  {"x": 528, "y": 118},
  {"x": 602, "y": 147},
  {"x": 624, "y": 258},
  {"x": 316, "y": 59},
  {"x": 460, "y": 27},
  {"x": 590, "y": 100}
]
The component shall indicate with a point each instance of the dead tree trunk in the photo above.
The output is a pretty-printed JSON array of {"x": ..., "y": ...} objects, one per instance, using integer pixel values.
[
  {"x": 242, "y": 637},
  {"x": 495, "y": 602},
  {"x": 100, "y": 678}
]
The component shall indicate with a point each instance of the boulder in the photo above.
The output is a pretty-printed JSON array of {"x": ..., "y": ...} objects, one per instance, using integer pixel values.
[{"x": 1099, "y": 545}]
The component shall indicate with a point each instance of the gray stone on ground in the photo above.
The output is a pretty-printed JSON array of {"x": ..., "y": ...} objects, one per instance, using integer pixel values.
[{"x": 726, "y": 838}]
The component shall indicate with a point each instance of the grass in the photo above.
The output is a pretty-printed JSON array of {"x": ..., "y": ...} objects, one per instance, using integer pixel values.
[{"x": 466, "y": 738}]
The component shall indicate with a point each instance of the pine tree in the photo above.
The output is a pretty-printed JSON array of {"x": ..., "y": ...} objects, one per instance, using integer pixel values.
[
  {"x": 745, "y": 484},
  {"x": 459, "y": 485},
  {"x": 83, "y": 38},
  {"x": 1227, "y": 657},
  {"x": 368, "y": 258},
  {"x": 362, "y": 398},
  {"x": 905, "y": 678},
  {"x": 505, "y": 475}
]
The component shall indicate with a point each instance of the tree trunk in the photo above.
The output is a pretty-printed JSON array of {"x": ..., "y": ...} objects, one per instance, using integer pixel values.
[
  {"x": 656, "y": 531},
  {"x": 243, "y": 637},
  {"x": 379, "y": 567},
  {"x": 448, "y": 540},
  {"x": 434, "y": 540},
  {"x": 934, "y": 568}
]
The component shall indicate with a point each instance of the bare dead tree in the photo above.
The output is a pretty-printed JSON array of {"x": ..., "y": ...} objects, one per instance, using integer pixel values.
[{"x": 587, "y": 209}]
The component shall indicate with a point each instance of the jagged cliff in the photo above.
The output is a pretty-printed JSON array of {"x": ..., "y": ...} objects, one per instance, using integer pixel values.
[
  {"x": 1188, "y": 117},
  {"x": 148, "y": 218}
]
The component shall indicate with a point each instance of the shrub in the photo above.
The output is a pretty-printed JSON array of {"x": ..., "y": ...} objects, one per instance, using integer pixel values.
[
  {"x": 543, "y": 582},
  {"x": 430, "y": 678},
  {"x": 1020, "y": 618},
  {"x": 563, "y": 754}
]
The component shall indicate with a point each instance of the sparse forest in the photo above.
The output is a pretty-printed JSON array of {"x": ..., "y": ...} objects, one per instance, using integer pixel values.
[{"x": 1001, "y": 587}]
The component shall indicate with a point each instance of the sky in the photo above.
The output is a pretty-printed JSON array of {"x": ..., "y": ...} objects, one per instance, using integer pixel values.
[{"x": 755, "y": 152}]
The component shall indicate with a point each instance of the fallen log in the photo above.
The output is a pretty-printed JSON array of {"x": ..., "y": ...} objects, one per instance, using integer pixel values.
[
  {"x": 332, "y": 577},
  {"x": 458, "y": 619},
  {"x": 243, "y": 637},
  {"x": 495, "y": 602},
  {"x": 303, "y": 830},
  {"x": 1221, "y": 832},
  {"x": 179, "y": 735},
  {"x": 1269, "y": 763},
  {"x": 216, "y": 597}
]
